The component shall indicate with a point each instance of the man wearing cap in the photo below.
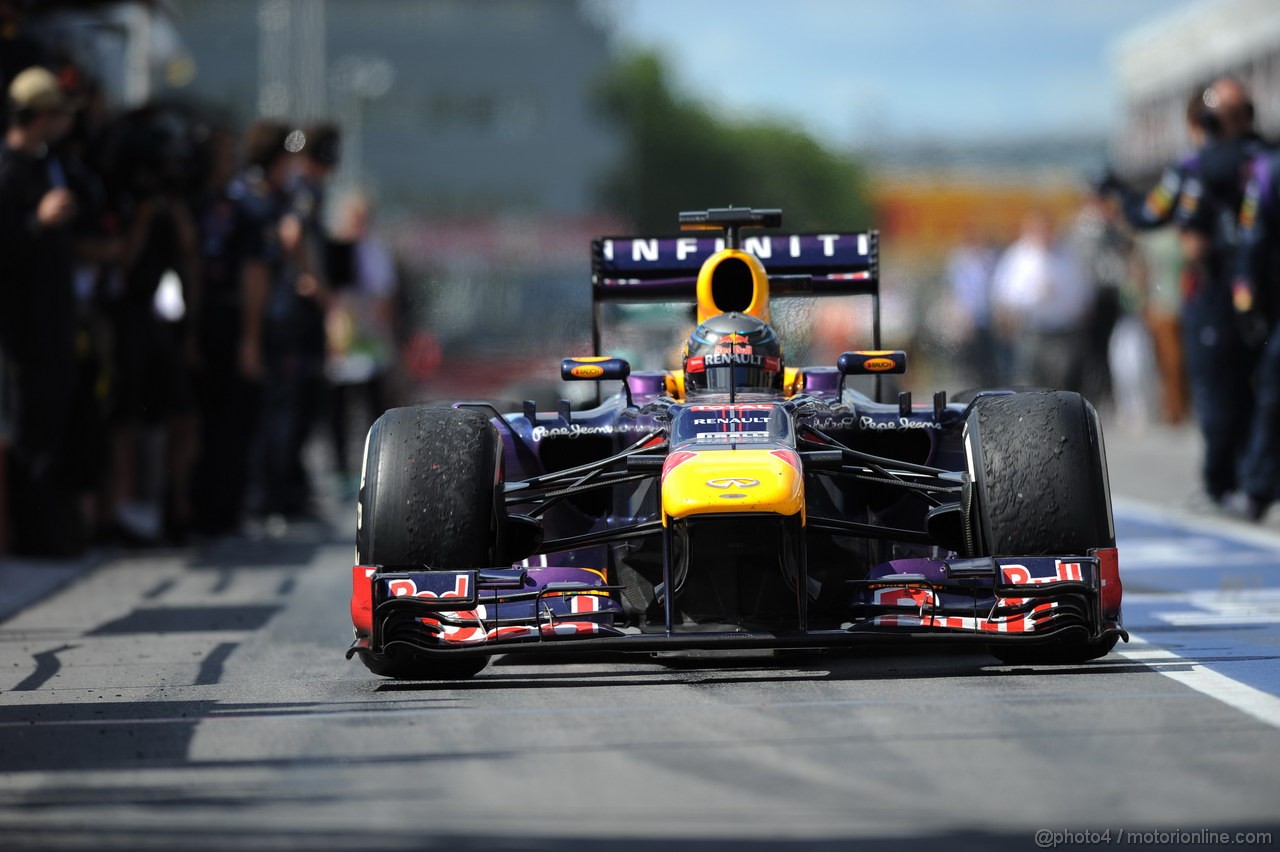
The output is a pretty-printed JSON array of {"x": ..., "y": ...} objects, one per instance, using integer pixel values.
[{"x": 37, "y": 308}]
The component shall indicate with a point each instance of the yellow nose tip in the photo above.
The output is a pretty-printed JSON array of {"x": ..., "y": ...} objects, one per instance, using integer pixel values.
[{"x": 720, "y": 481}]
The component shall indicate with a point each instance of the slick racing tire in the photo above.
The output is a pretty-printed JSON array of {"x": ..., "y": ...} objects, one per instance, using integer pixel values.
[
  {"x": 1040, "y": 488},
  {"x": 429, "y": 496}
]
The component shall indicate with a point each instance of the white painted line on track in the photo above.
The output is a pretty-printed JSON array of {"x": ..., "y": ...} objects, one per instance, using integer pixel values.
[
  {"x": 1254, "y": 606},
  {"x": 1262, "y": 706}
]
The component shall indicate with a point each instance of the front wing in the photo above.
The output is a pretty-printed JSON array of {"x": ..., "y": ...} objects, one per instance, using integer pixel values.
[{"x": 528, "y": 610}]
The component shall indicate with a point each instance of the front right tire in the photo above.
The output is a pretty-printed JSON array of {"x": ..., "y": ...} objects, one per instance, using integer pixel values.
[
  {"x": 429, "y": 498},
  {"x": 1040, "y": 485}
]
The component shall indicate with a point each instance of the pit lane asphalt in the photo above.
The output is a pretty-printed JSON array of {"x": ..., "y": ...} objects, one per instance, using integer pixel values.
[{"x": 200, "y": 701}]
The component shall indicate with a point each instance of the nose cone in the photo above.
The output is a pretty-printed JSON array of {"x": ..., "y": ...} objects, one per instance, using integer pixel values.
[{"x": 719, "y": 481}]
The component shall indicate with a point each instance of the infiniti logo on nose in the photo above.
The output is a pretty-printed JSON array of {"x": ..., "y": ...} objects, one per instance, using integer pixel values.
[{"x": 733, "y": 482}]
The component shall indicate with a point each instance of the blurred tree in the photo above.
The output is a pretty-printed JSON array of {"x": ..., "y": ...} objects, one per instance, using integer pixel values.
[{"x": 681, "y": 156}]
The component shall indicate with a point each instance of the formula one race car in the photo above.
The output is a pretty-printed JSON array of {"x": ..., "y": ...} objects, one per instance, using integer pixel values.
[{"x": 738, "y": 502}]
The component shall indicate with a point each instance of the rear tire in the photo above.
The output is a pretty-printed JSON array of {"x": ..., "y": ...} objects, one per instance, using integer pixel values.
[
  {"x": 1040, "y": 488},
  {"x": 429, "y": 497}
]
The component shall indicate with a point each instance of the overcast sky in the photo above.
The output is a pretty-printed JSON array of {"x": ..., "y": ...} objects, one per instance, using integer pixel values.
[{"x": 859, "y": 71}]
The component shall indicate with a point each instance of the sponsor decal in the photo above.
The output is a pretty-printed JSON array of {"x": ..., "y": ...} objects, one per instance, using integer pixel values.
[
  {"x": 878, "y": 365},
  {"x": 640, "y": 251},
  {"x": 1019, "y": 575},
  {"x": 734, "y": 338},
  {"x": 827, "y": 422},
  {"x": 733, "y": 482},
  {"x": 577, "y": 430},
  {"x": 695, "y": 365},
  {"x": 587, "y": 371},
  {"x": 408, "y": 588},
  {"x": 729, "y": 437},
  {"x": 730, "y": 421},
  {"x": 868, "y": 422},
  {"x": 739, "y": 358}
]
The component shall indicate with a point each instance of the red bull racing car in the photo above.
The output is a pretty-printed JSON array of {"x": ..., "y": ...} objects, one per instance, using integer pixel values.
[{"x": 736, "y": 502}]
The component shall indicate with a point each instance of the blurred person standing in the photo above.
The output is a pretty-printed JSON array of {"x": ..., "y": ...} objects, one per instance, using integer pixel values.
[
  {"x": 1041, "y": 297},
  {"x": 1104, "y": 251},
  {"x": 154, "y": 354},
  {"x": 238, "y": 214},
  {"x": 1202, "y": 195},
  {"x": 294, "y": 335},
  {"x": 361, "y": 329},
  {"x": 1256, "y": 300},
  {"x": 37, "y": 313},
  {"x": 969, "y": 269},
  {"x": 1161, "y": 269},
  {"x": 265, "y": 196},
  {"x": 1131, "y": 351},
  {"x": 98, "y": 246}
]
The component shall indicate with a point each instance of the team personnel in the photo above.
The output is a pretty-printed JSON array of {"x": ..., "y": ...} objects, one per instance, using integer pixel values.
[
  {"x": 37, "y": 311},
  {"x": 266, "y": 335},
  {"x": 236, "y": 248},
  {"x": 1256, "y": 298},
  {"x": 1202, "y": 195},
  {"x": 293, "y": 332}
]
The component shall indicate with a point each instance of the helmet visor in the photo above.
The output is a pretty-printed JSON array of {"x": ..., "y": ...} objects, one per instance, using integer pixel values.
[{"x": 721, "y": 373}]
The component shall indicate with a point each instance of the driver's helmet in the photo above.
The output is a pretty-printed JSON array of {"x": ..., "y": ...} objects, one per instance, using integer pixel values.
[{"x": 733, "y": 351}]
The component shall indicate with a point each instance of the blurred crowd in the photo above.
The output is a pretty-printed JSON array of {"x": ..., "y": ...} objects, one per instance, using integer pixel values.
[
  {"x": 176, "y": 316},
  {"x": 1163, "y": 305}
]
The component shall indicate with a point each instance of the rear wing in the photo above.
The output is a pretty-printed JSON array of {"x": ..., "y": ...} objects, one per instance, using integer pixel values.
[{"x": 665, "y": 269}]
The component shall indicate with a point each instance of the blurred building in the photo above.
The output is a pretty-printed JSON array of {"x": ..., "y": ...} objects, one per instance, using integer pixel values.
[
  {"x": 450, "y": 107},
  {"x": 1160, "y": 64}
]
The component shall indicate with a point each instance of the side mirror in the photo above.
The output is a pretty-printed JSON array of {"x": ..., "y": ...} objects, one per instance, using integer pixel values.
[
  {"x": 595, "y": 368},
  {"x": 872, "y": 362}
]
